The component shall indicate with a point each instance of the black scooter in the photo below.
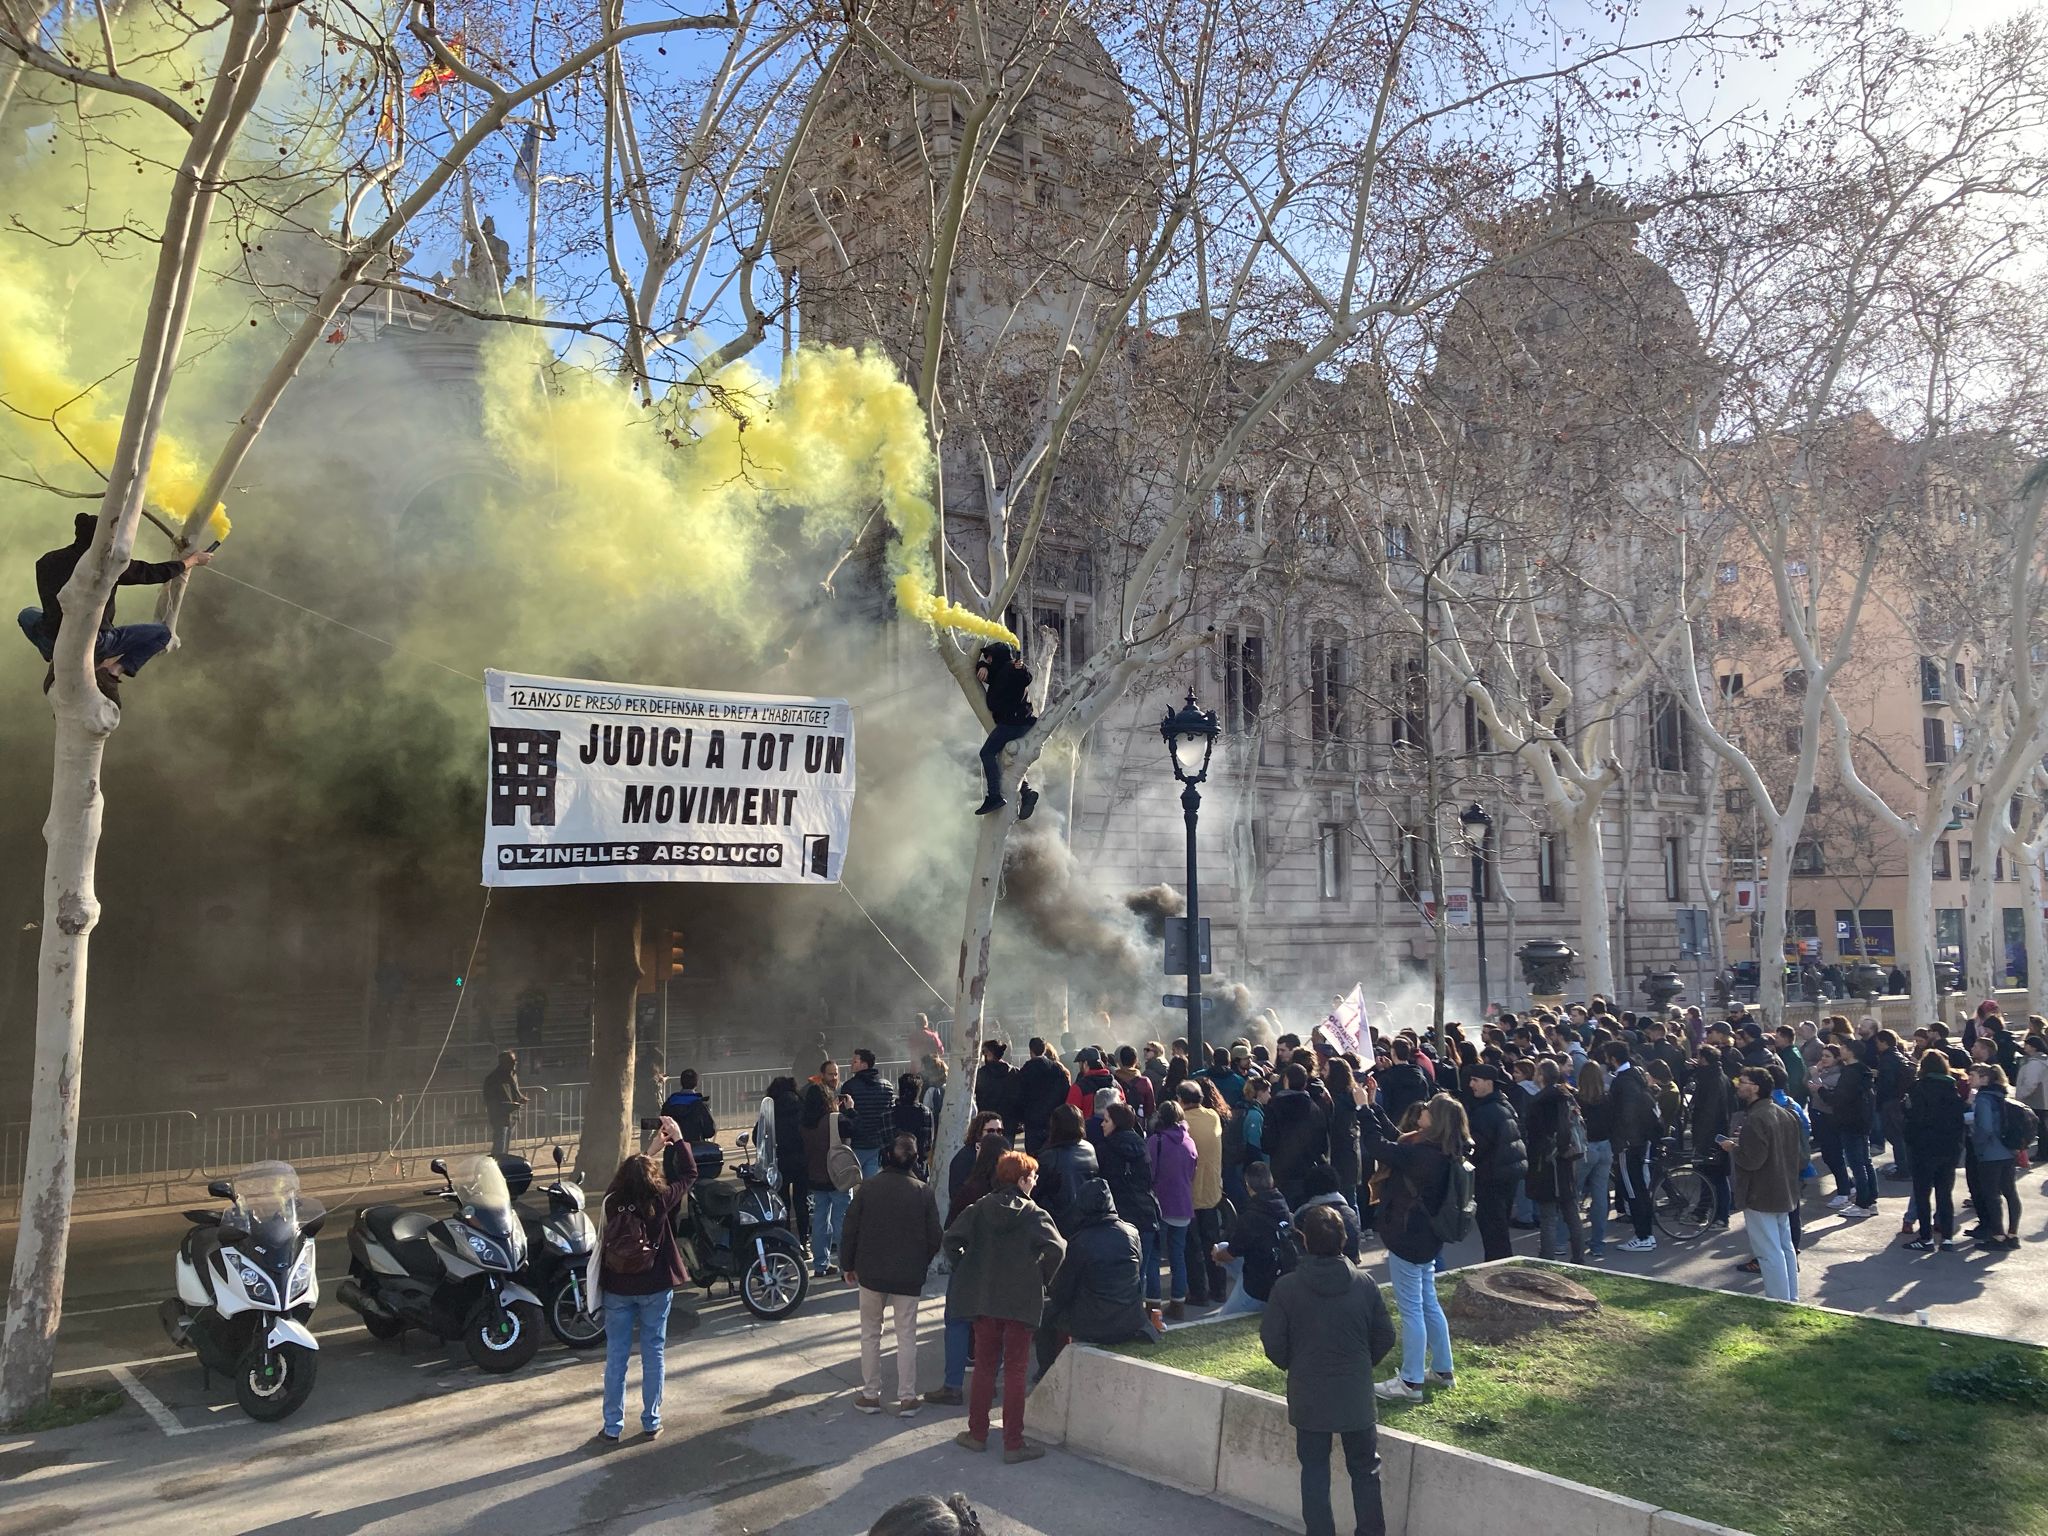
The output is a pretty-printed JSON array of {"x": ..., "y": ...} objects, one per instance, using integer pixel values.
[
  {"x": 737, "y": 1229},
  {"x": 558, "y": 1249},
  {"x": 455, "y": 1277}
]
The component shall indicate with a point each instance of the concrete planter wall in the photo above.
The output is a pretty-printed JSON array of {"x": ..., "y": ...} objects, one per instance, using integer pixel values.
[{"x": 1206, "y": 1436}]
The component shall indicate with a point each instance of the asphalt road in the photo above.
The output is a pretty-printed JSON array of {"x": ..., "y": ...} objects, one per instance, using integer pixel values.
[{"x": 409, "y": 1438}]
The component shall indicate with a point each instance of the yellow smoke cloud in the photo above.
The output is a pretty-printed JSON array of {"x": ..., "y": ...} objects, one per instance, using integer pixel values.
[{"x": 837, "y": 434}]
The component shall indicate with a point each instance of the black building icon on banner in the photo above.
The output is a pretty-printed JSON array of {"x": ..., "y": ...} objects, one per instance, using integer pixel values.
[{"x": 523, "y": 773}]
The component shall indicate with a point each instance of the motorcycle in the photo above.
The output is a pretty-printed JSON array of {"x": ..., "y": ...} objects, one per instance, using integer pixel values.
[
  {"x": 453, "y": 1277},
  {"x": 246, "y": 1285},
  {"x": 737, "y": 1230},
  {"x": 558, "y": 1247}
]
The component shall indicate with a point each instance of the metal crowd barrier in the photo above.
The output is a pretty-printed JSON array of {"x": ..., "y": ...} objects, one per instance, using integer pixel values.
[
  {"x": 152, "y": 1150},
  {"x": 321, "y": 1130},
  {"x": 735, "y": 1097}
]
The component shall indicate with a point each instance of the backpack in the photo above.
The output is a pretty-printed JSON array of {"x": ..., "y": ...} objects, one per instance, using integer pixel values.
[
  {"x": 2018, "y": 1126},
  {"x": 840, "y": 1160},
  {"x": 1575, "y": 1143},
  {"x": 1280, "y": 1257},
  {"x": 629, "y": 1247},
  {"x": 1452, "y": 1220}
]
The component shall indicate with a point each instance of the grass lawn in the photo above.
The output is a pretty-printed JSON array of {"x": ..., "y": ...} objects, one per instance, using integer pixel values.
[{"x": 1782, "y": 1421}]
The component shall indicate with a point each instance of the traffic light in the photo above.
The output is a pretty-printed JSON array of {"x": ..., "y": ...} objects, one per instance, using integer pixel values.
[{"x": 675, "y": 953}]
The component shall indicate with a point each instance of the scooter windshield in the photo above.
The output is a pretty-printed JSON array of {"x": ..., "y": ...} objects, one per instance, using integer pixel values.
[
  {"x": 480, "y": 1185},
  {"x": 267, "y": 1198}
]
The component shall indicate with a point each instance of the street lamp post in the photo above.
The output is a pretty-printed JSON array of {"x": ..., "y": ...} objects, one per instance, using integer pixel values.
[
  {"x": 1475, "y": 815},
  {"x": 1190, "y": 734}
]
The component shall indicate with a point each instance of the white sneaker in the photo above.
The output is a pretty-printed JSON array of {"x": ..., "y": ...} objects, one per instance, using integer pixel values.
[
  {"x": 1395, "y": 1390},
  {"x": 1639, "y": 1245},
  {"x": 1444, "y": 1379},
  {"x": 1836, "y": 1202}
]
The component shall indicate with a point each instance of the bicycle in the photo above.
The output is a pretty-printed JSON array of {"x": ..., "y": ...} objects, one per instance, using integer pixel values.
[{"x": 1681, "y": 1200}]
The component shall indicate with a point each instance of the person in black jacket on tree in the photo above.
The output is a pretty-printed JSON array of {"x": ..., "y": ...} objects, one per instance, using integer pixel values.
[
  {"x": 1327, "y": 1327},
  {"x": 1297, "y": 1133},
  {"x": 995, "y": 1085},
  {"x": 1635, "y": 1128},
  {"x": 119, "y": 650},
  {"x": 1040, "y": 1087},
  {"x": 1096, "y": 1296},
  {"x": 1008, "y": 688},
  {"x": 1499, "y": 1159},
  {"x": 874, "y": 1109},
  {"x": 1934, "y": 1133}
]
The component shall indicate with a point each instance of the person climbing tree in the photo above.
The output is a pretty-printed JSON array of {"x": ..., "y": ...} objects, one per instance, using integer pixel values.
[
  {"x": 1007, "y": 683},
  {"x": 121, "y": 650}
]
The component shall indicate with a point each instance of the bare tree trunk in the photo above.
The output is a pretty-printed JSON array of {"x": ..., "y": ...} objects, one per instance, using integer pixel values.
[
  {"x": 620, "y": 953},
  {"x": 84, "y": 720},
  {"x": 2032, "y": 895},
  {"x": 970, "y": 985},
  {"x": 1771, "y": 908},
  {"x": 1917, "y": 948},
  {"x": 1980, "y": 918},
  {"x": 1589, "y": 888}
]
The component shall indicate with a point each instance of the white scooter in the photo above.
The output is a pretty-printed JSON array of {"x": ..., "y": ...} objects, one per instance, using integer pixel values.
[{"x": 246, "y": 1285}]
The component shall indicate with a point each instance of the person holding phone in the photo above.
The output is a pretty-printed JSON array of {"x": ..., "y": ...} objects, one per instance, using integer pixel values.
[{"x": 636, "y": 1268}]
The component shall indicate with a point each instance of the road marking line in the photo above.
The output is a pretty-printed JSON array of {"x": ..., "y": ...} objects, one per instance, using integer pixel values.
[
  {"x": 122, "y": 1365},
  {"x": 153, "y": 1405}
]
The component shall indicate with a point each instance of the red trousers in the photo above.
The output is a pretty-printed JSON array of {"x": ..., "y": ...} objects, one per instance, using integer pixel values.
[{"x": 998, "y": 1339}]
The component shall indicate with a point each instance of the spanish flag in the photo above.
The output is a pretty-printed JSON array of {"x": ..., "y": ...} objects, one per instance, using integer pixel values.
[{"x": 434, "y": 76}]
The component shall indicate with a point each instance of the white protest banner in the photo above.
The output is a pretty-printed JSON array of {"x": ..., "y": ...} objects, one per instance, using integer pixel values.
[
  {"x": 599, "y": 783},
  {"x": 1346, "y": 1023}
]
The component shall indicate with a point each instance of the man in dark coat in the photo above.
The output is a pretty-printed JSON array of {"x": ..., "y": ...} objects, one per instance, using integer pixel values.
[
  {"x": 1097, "y": 1296},
  {"x": 119, "y": 650},
  {"x": 502, "y": 1100},
  {"x": 1007, "y": 686},
  {"x": 1403, "y": 1083},
  {"x": 1635, "y": 1128},
  {"x": 1040, "y": 1087},
  {"x": 1261, "y": 1243},
  {"x": 1499, "y": 1159},
  {"x": 892, "y": 1234},
  {"x": 1327, "y": 1328},
  {"x": 1297, "y": 1133},
  {"x": 995, "y": 1085},
  {"x": 874, "y": 1111}
]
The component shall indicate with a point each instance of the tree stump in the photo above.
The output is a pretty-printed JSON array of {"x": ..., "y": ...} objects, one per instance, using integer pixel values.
[{"x": 1496, "y": 1304}]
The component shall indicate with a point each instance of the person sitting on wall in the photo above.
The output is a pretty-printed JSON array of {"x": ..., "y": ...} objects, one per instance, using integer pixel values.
[
  {"x": 1008, "y": 685},
  {"x": 118, "y": 650}
]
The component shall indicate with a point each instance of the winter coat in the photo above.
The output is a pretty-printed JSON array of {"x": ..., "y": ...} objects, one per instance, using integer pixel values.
[
  {"x": 1849, "y": 1099},
  {"x": 1206, "y": 1127},
  {"x": 1082, "y": 1094},
  {"x": 1061, "y": 1173},
  {"x": 1891, "y": 1077},
  {"x": 502, "y": 1097},
  {"x": 1009, "y": 692},
  {"x": 1498, "y": 1153},
  {"x": 2030, "y": 1087},
  {"x": 1599, "y": 1120},
  {"x": 873, "y": 1106},
  {"x": 1171, "y": 1151},
  {"x": 1553, "y": 1172},
  {"x": 995, "y": 1090},
  {"x": 1098, "y": 1295},
  {"x": 1935, "y": 1128},
  {"x": 54, "y": 569},
  {"x": 1128, "y": 1172},
  {"x": 1297, "y": 1133},
  {"x": 1635, "y": 1108},
  {"x": 1326, "y": 1326},
  {"x": 1987, "y": 1126},
  {"x": 1342, "y": 1205},
  {"x": 790, "y": 1158},
  {"x": 1419, "y": 1176},
  {"x": 691, "y": 1112},
  {"x": 668, "y": 1270},
  {"x": 1344, "y": 1159},
  {"x": 1767, "y": 1159},
  {"x": 1707, "y": 1116},
  {"x": 1401, "y": 1085},
  {"x": 818, "y": 1142},
  {"x": 1262, "y": 1228},
  {"x": 1040, "y": 1087},
  {"x": 913, "y": 1119},
  {"x": 891, "y": 1233},
  {"x": 1005, "y": 1251}
]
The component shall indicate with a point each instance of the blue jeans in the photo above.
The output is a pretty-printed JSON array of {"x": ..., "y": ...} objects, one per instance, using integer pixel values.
[
  {"x": 1770, "y": 1239},
  {"x": 828, "y": 1214},
  {"x": 1856, "y": 1155},
  {"x": 1425, "y": 1335},
  {"x": 1148, "y": 1261},
  {"x": 870, "y": 1159},
  {"x": 1361, "y": 1460},
  {"x": 135, "y": 644},
  {"x": 959, "y": 1344},
  {"x": 1175, "y": 1240},
  {"x": 1241, "y": 1303},
  {"x": 1596, "y": 1178},
  {"x": 620, "y": 1315}
]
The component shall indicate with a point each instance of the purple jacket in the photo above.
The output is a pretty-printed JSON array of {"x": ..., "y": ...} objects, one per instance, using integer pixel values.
[{"x": 1172, "y": 1154}]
